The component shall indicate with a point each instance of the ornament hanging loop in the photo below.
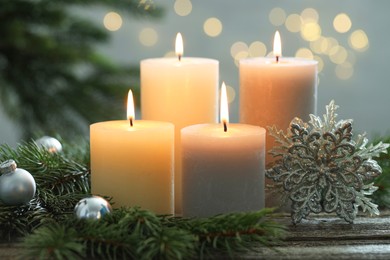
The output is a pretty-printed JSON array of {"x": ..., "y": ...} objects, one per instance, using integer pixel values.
[{"x": 8, "y": 166}]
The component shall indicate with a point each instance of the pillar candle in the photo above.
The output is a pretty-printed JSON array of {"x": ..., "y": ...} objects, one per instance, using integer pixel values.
[
  {"x": 274, "y": 93},
  {"x": 223, "y": 171},
  {"x": 275, "y": 90},
  {"x": 181, "y": 91},
  {"x": 134, "y": 164}
]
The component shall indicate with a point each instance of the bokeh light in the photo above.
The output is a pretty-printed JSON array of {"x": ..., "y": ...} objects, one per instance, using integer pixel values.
[
  {"x": 148, "y": 37},
  {"x": 342, "y": 23},
  {"x": 293, "y": 23},
  {"x": 270, "y": 54},
  {"x": 238, "y": 47},
  {"x": 170, "y": 54},
  {"x": 240, "y": 55},
  {"x": 304, "y": 53},
  {"x": 358, "y": 40},
  {"x": 338, "y": 54},
  {"x": 277, "y": 16},
  {"x": 112, "y": 21},
  {"x": 257, "y": 49},
  {"x": 212, "y": 27},
  {"x": 319, "y": 46},
  {"x": 310, "y": 15},
  {"x": 311, "y": 31},
  {"x": 231, "y": 93},
  {"x": 344, "y": 71},
  {"x": 351, "y": 57},
  {"x": 146, "y": 4},
  {"x": 320, "y": 61},
  {"x": 182, "y": 7},
  {"x": 330, "y": 44}
]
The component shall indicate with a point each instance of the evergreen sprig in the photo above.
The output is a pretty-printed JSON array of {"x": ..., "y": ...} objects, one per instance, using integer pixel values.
[
  {"x": 52, "y": 231},
  {"x": 61, "y": 183},
  {"x": 52, "y": 172},
  {"x": 382, "y": 195},
  {"x": 139, "y": 234},
  {"x": 232, "y": 233}
]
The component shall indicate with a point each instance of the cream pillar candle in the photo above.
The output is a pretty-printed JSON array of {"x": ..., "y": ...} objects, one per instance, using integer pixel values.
[
  {"x": 134, "y": 164},
  {"x": 275, "y": 90},
  {"x": 223, "y": 171},
  {"x": 183, "y": 92}
]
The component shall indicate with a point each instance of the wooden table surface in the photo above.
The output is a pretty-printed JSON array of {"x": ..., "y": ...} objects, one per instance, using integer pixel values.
[
  {"x": 319, "y": 237},
  {"x": 328, "y": 237}
]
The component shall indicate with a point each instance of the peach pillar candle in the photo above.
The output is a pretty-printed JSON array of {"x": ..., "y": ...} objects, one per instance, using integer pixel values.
[
  {"x": 275, "y": 90},
  {"x": 182, "y": 91},
  {"x": 132, "y": 161}
]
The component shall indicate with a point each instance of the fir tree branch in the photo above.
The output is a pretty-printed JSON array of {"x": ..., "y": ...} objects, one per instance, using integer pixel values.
[
  {"x": 54, "y": 242},
  {"x": 140, "y": 234},
  {"x": 19, "y": 221},
  {"x": 382, "y": 195},
  {"x": 234, "y": 233},
  {"x": 127, "y": 232},
  {"x": 54, "y": 79}
]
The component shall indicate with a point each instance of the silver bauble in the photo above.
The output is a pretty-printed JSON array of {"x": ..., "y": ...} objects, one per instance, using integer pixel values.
[
  {"x": 17, "y": 186},
  {"x": 49, "y": 143},
  {"x": 94, "y": 207}
]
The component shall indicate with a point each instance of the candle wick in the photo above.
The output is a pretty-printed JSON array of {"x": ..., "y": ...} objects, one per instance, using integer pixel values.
[
  {"x": 131, "y": 121},
  {"x": 179, "y": 56},
  {"x": 277, "y": 59},
  {"x": 224, "y": 126}
]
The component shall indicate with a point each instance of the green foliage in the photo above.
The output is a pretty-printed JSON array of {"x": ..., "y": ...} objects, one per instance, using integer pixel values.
[
  {"x": 58, "y": 241},
  {"x": 232, "y": 233},
  {"x": 53, "y": 173},
  {"x": 140, "y": 234},
  {"x": 52, "y": 79},
  {"x": 61, "y": 183},
  {"x": 18, "y": 221},
  {"x": 382, "y": 195},
  {"x": 52, "y": 231}
]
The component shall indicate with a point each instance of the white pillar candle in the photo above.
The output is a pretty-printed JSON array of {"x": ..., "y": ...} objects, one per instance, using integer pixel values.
[
  {"x": 134, "y": 164},
  {"x": 183, "y": 92},
  {"x": 275, "y": 90},
  {"x": 222, "y": 171}
]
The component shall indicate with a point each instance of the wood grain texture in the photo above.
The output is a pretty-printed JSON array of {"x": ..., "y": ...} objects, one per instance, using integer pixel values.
[{"x": 328, "y": 237}]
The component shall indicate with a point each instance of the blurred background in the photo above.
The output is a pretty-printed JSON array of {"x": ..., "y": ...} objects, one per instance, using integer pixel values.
[{"x": 66, "y": 64}]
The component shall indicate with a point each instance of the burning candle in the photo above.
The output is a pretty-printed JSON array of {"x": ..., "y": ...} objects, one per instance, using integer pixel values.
[
  {"x": 132, "y": 161},
  {"x": 275, "y": 90},
  {"x": 182, "y": 91},
  {"x": 222, "y": 166}
]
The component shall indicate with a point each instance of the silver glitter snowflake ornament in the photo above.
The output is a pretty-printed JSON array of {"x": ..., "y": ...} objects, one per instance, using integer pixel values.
[{"x": 321, "y": 169}]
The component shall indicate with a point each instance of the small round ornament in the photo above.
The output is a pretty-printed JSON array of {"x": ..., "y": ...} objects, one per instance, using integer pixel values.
[
  {"x": 17, "y": 186},
  {"x": 49, "y": 143},
  {"x": 94, "y": 207}
]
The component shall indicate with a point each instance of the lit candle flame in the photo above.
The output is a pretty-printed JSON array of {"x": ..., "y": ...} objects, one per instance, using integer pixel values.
[
  {"x": 179, "y": 46},
  {"x": 224, "y": 111},
  {"x": 130, "y": 107},
  {"x": 277, "y": 46}
]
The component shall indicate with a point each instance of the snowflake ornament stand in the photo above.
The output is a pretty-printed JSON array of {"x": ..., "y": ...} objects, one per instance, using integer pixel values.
[{"x": 322, "y": 169}]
